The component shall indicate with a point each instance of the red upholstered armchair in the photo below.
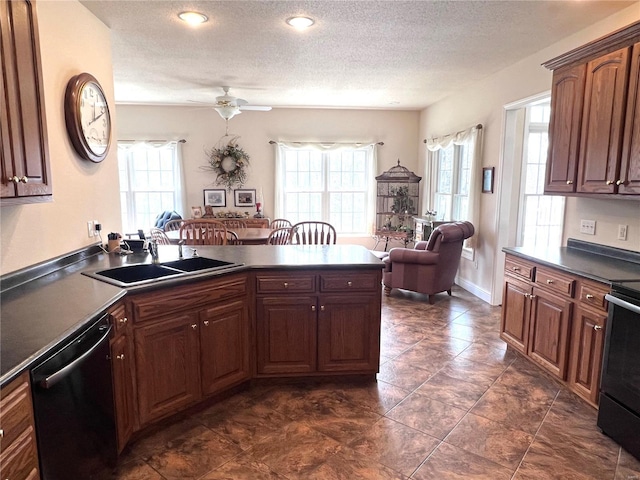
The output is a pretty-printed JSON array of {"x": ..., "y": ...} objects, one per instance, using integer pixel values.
[{"x": 430, "y": 267}]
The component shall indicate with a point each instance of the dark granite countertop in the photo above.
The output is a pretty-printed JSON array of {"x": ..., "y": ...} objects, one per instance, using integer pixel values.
[
  {"x": 38, "y": 315},
  {"x": 603, "y": 264}
]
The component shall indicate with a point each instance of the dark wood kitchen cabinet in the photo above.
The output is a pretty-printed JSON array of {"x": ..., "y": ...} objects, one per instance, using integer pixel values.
[
  {"x": 594, "y": 129},
  {"x": 18, "y": 449},
  {"x": 24, "y": 162},
  {"x": 557, "y": 321},
  {"x": 191, "y": 341},
  {"x": 311, "y": 323}
]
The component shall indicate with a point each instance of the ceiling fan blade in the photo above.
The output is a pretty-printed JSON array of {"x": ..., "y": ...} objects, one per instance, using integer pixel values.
[{"x": 257, "y": 108}]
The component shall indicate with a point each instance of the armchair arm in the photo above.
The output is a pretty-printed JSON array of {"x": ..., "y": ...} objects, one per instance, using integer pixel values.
[
  {"x": 422, "y": 245},
  {"x": 409, "y": 255}
]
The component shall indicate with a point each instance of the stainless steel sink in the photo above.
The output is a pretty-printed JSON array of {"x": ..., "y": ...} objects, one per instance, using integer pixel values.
[{"x": 139, "y": 274}]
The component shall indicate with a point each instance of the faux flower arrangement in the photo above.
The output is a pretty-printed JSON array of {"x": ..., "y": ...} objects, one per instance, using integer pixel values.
[{"x": 229, "y": 164}]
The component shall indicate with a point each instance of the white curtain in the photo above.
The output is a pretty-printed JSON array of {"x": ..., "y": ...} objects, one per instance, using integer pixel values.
[
  {"x": 282, "y": 147},
  {"x": 129, "y": 148},
  {"x": 471, "y": 139}
]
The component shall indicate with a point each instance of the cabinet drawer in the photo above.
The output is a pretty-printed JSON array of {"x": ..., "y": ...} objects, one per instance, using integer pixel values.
[
  {"x": 151, "y": 306},
  {"x": 286, "y": 283},
  {"x": 555, "y": 282},
  {"x": 519, "y": 268},
  {"x": 348, "y": 282},
  {"x": 592, "y": 294},
  {"x": 118, "y": 318},
  {"x": 15, "y": 413},
  {"x": 20, "y": 459}
]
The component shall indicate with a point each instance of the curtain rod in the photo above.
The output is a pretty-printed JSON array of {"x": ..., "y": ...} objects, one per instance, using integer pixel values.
[
  {"x": 182, "y": 140},
  {"x": 478, "y": 126},
  {"x": 338, "y": 143}
]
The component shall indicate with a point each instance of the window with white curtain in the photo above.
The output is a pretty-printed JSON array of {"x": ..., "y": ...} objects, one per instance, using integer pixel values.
[
  {"x": 150, "y": 182},
  {"x": 541, "y": 217},
  {"x": 451, "y": 197},
  {"x": 333, "y": 185}
]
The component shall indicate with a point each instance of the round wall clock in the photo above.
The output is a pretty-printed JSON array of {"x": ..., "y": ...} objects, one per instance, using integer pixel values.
[{"x": 86, "y": 114}]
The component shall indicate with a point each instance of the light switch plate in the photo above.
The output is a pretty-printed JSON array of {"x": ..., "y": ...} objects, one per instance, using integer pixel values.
[{"x": 588, "y": 227}]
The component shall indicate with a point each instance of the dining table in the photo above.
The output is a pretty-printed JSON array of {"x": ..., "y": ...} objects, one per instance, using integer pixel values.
[{"x": 247, "y": 236}]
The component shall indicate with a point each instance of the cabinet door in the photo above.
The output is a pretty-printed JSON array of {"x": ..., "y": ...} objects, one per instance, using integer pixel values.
[
  {"x": 25, "y": 157},
  {"x": 586, "y": 353},
  {"x": 122, "y": 368},
  {"x": 167, "y": 366},
  {"x": 514, "y": 327},
  {"x": 602, "y": 123},
  {"x": 567, "y": 96},
  {"x": 630, "y": 167},
  {"x": 549, "y": 332},
  {"x": 286, "y": 334},
  {"x": 348, "y": 335},
  {"x": 224, "y": 346}
]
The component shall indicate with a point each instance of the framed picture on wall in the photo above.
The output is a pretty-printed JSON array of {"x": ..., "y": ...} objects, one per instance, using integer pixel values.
[
  {"x": 215, "y": 198},
  {"x": 245, "y": 198},
  {"x": 487, "y": 179}
]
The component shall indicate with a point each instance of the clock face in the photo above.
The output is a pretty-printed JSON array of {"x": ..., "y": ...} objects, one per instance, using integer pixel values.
[{"x": 94, "y": 118}]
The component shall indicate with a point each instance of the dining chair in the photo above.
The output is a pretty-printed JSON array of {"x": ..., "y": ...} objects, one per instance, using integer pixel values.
[
  {"x": 280, "y": 223},
  {"x": 313, "y": 233},
  {"x": 233, "y": 223},
  {"x": 279, "y": 236},
  {"x": 232, "y": 238},
  {"x": 158, "y": 235},
  {"x": 172, "y": 225},
  {"x": 203, "y": 232}
]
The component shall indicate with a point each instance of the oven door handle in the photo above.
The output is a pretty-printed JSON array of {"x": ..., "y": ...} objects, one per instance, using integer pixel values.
[
  {"x": 622, "y": 303},
  {"x": 54, "y": 378}
]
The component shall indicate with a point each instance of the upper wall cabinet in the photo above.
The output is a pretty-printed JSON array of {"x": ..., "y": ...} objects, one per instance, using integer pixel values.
[
  {"x": 24, "y": 157},
  {"x": 594, "y": 133}
]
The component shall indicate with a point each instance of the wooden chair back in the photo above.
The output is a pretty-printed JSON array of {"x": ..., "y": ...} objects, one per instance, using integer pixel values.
[
  {"x": 158, "y": 235},
  {"x": 280, "y": 236},
  {"x": 172, "y": 225},
  {"x": 233, "y": 223},
  {"x": 280, "y": 223},
  {"x": 203, "y": 232},
  {"x": 313, "y": 233},
  {"x": 232, "y": 238}
]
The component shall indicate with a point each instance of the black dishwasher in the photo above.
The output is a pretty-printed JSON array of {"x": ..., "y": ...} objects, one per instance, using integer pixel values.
[{"x": 73, "y": 406}]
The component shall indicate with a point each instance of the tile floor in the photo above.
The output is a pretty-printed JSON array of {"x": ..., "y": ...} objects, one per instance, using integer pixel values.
[{"x": 450, "y": 403}]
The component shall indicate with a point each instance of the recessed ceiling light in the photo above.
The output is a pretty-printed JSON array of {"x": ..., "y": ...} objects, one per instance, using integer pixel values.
[
  {"x": 193, "y": 18},
  {"x": 300, "y": 22}
]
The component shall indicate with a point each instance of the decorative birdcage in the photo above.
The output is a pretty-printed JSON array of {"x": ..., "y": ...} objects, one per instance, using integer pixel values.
[{"x": 398, "y": 192}]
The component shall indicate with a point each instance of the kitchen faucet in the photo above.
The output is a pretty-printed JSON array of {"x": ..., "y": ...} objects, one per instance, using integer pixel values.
[{"x": 153, "y": 250}]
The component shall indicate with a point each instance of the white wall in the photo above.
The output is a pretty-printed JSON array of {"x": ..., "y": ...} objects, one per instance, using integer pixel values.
[
  {"x": 484, "y": 103},
  {"x": 81, "y": 190},
  {"x": 202, "y": 128}
]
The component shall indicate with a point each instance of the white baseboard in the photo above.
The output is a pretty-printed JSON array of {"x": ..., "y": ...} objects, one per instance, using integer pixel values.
[{"x": 474, "y": 289}]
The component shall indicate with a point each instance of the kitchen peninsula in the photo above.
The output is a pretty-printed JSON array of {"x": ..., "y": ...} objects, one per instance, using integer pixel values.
[{"x": 280, "y": 311}]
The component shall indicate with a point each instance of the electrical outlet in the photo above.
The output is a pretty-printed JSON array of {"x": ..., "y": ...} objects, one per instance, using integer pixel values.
[
  {"x": 622, "y": 232},
  {"x": 97, "y": 226},
  {"x": 588, "y": 227},
  {"x": 90, "y": 228}
]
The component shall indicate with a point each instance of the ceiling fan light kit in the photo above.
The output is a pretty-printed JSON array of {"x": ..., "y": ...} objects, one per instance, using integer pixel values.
[{"x": 228, "y": 111}]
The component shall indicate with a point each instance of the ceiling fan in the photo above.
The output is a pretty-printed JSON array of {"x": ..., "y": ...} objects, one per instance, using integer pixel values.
[{"x": 229, "y": 106}]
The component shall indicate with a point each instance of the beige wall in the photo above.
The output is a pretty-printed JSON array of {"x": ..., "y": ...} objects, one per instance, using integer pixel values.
[
  {"x": 484, "y": 103},
  {"x": 202, "y": 128},
  {"x": 81, "y": 190}
]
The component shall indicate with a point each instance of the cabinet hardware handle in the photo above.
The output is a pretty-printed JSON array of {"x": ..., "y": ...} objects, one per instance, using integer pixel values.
[
  {"x": 516, "y": 269},
  {"x": 1, "y": 433},
  {"x": 322, "y": 308},
  {"x": 194, "y": 326},
  {"x": 549, "y": 282},
  {"x": 120, "y": 357},
  {"x": 206, "y": 323},
  {"x": 569, "y": 182},
  {"x": 589, "y": 296},
  {"x": 313, "y": 308},
  {"x": 531, "y": 297},
  {"x": 286, "y": 285},
  {"x": 24, "y": 179},
  {"x": 597, "y": 327},
  {"x": 609, "y": 182},
  {"x": 14, "y": 179},
  {"x": 123, "y": 320},
  {"x": 620, "y": 182},
  {"x": 350, "y": 284}
]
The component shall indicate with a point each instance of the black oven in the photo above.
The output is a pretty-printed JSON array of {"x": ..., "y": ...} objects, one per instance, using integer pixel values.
[{"x": 619, "y": 411}]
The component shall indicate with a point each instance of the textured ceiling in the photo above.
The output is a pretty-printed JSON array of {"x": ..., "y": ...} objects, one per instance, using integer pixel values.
[{"x": 365, "y": 54}]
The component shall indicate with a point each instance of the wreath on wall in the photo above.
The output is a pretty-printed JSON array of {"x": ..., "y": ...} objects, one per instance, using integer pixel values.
[{"x": 229, "y": 162}]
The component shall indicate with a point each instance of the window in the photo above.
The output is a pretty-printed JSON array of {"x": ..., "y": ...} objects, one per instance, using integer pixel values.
[
  {"x": 453, "y": 175},
  {"x": 150, "y": 183},
  {"x": 332, "y": 186},
  {"x": 541, "y": 216}
]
